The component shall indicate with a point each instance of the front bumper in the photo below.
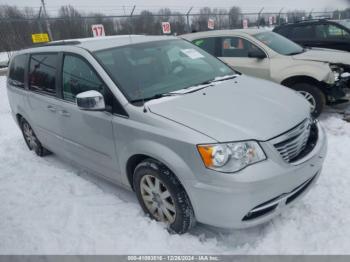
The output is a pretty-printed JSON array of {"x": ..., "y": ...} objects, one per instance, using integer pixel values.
[{"x": 259, "y": 192}]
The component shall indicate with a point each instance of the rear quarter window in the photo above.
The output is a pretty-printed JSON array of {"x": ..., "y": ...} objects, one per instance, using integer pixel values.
[
  {"x": 303, "y": 32},
  {"x": 17, "y": 69},
  {"x": 207, "y": 44},
  {"x": 284, "y": 30}
]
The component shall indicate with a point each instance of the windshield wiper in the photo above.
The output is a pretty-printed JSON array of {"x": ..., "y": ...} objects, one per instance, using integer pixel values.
[
  {"x": 208, "y": 82},
  {"x": 223, "y": 78},
  {"x": 156, "y": 96}
]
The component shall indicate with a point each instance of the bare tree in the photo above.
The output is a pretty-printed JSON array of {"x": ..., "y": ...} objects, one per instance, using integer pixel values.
[
  {"x": 200, "y": 22},
  {"x": 221, "y": 18},
  {"x": 234, "y": 17},
  {"x": 69, "y": 25}
]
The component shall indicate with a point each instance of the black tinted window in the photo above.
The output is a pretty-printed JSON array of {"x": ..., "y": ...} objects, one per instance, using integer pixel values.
[
  {"x": 283, "y": 30},
  {"x": 42, "y": 73},
  {"x": 236, "y": 47},
  {"x": 79, "y": 77},
  {"x": 16, "y": 75},
  {"x": 303, "y": 32},
  {"x": 207, "y": 44}
]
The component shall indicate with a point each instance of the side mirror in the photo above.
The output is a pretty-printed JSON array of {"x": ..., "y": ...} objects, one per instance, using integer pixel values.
[
  {"x": 90, "y": 100},
  {"x": 256, "y": 53}
]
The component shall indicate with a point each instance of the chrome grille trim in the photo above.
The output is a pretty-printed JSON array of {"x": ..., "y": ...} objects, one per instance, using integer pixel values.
[{"x": 293, "y": 142}]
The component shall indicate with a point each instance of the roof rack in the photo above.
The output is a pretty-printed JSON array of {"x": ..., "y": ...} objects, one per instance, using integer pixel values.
[
  {"x": 63, "y": 42},
  {"x": 312, "y": 19},
  {"x": 306, "y": 20}
]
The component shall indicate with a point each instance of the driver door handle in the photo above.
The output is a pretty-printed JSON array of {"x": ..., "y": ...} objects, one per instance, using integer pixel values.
[
  {"x": 64, "y": 113},
  {"x": 52, "y": 108}
]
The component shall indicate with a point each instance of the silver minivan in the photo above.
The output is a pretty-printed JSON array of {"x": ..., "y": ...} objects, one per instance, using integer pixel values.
[{"x": 195, "y": 140}]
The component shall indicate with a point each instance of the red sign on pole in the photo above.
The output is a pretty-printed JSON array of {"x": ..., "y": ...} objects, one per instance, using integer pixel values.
[
  {"x": 166, "y": 28},
  {"x": 98, "y": 30},
  {"x": 211, "y": 24}
]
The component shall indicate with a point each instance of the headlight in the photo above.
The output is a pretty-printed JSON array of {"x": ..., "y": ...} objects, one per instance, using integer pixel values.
[
  {"x": 231, "y": 157},
  {"x": 337, "y": 71}
]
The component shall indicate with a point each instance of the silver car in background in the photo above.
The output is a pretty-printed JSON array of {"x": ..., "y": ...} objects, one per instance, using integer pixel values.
[{"x": 195, "y": 140}]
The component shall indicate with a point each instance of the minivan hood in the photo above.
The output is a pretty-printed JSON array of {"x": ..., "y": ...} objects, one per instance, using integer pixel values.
[
  {"x": 238, "y": 109},
  {"x": 324, "y": 55}
]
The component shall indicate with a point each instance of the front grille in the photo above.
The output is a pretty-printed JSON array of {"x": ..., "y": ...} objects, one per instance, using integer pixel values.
[{"x": 290, "y": 145}]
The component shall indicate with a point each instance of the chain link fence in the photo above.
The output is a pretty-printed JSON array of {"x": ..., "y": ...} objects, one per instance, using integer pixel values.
[{"x": 16, "y": 28}]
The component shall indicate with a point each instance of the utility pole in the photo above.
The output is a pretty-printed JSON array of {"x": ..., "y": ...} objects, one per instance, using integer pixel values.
[
  {"x": 39, "y": 22},
  {"x": 47, "y": 20}
]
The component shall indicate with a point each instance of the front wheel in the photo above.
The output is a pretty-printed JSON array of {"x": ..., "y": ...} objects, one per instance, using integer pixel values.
[
  {"x": 162, "y": 197},
  {"x": 313, "y": 95}
]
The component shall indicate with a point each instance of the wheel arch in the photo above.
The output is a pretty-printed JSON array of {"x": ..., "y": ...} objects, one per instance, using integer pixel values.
[
  {"x": 19, "y": 118},
  {"x": 160, "y": 153},
  {"x": 290, "y": 81}
]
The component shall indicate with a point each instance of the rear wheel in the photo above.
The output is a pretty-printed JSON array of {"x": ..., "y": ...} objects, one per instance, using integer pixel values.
[
  {"x": 162, "y": 197},
  {"x": 313, "y": 95},
  {"x": 32, "y": 141}
]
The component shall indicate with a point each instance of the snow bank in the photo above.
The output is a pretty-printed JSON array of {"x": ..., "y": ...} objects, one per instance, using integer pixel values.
[{"x": 50, "y": 207}]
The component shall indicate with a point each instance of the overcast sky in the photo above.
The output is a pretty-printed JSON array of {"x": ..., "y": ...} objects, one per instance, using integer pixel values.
[{"x": 116, "y": 6}]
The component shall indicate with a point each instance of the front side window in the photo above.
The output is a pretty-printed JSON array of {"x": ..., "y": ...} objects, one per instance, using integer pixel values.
[
  {"x": 328, "y": 31},
  {"x": 145, "y": 70},
  {"x": 207, "y": 44},
  {"x": 42, "y": 73},
  {"x": 79, "y": 77},
  {"x": 279, "y": 43},
  {"x": 16, "y": 74},
  {"x": 236, "y": 47}
]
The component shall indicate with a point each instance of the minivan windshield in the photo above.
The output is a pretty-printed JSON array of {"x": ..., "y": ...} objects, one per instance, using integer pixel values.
[
  {"x": 146, "y": 70},
  {"x": 279, "y": 43}
]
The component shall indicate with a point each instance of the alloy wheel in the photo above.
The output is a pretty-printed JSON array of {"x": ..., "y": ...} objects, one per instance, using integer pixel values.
[
  {"x": 157, "y": 199},
  {"x": 30, "y": 136},
  {"x": 310, "y": 99}
]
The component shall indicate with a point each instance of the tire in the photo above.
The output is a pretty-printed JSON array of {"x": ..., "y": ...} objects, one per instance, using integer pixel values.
[
  {"x": 314, "y": 95},
  {"x": 31, "y": 140},
  {"x": 177, "y": 204}
]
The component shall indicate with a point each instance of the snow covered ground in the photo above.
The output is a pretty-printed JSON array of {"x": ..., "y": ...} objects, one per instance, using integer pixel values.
[
  {"x": 50, "y": 207},
  {"x": 4, "y": 58}
]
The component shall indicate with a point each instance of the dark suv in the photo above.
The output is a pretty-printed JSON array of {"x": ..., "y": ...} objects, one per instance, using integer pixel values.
[{"x": 333, "y": 34}]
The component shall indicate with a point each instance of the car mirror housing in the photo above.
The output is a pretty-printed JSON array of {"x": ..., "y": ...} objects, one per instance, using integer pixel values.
[
  {"x": 91, "y": 101},
  {"x": 256, "y": 54}
]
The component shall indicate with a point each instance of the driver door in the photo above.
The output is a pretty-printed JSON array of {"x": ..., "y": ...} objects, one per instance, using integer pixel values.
[{"x": 234, "y": 51}]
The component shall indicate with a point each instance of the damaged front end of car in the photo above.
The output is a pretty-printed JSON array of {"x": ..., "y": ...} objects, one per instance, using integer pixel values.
[{"x": 338, "y": 88}]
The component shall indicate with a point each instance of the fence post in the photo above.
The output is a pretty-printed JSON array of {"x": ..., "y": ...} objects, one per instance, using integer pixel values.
[
  {"x": 188, "y": 20},
  {"x": 279, "y": 16},
  {"x": 310, "y": 14},
  {"x": 132, "y": 23},
  {"x": 259, "y": 16}
]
